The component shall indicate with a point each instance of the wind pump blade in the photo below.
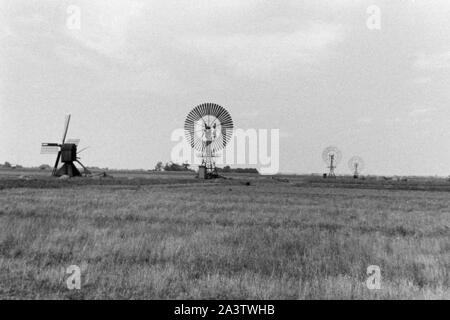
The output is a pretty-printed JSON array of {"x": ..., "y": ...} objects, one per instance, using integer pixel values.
[{"x": 66, "y": 128}]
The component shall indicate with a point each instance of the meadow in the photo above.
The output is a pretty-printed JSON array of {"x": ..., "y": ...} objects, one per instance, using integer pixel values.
[{"x": 171, "y": 236}]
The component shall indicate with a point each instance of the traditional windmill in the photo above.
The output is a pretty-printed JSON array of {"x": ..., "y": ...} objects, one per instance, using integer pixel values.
[{"x": 66, "y": 152}]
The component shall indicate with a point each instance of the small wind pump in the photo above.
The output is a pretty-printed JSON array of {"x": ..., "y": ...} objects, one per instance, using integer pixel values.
[
  {"x": 331, "y": 156},
  {"x": 356, "y": 165},
  {"x": 66, "y": 152},
  {"x": 208, "y": 128}
]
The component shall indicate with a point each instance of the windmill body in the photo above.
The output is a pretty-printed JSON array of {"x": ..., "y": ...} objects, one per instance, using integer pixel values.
[{"x": 68, "y": 157}]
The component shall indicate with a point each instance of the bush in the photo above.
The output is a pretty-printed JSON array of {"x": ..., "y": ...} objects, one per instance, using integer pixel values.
[
  {"x": 44, "y": 167},
  {"x": 171, "y": 166}
]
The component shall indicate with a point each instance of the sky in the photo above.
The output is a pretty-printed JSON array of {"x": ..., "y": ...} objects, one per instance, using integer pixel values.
[{"x": 370, "y": 77}]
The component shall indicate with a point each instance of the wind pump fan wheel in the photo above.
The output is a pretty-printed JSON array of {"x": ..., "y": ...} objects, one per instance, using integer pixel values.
[
  {"x": 208, "y": 128},
  {"x": 208, "y": 125}
]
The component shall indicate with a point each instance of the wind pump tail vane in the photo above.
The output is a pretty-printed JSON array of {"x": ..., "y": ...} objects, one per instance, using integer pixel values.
[{"x": 66, "y": 153}]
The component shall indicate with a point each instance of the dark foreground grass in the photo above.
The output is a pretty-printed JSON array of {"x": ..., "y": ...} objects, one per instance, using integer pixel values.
[{"x": 269, "y": 240}]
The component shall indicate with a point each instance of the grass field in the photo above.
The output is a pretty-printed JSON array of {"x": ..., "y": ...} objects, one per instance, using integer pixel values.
[{"x": 173, "y": 236}]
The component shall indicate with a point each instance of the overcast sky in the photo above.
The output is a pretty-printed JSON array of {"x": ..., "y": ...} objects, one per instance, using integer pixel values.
[{"x": 313, "y": 69}]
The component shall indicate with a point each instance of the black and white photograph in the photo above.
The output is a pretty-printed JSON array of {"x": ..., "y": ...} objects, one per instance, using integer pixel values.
[{"x": 238, "y": 153}]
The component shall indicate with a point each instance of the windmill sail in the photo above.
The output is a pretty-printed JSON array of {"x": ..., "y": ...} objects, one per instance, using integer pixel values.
[
  {"x": 49, "y": 148},
  {"x": 66, "y": 127}
]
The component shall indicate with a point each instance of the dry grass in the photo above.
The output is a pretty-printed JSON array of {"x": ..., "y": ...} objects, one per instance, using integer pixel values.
[{"x": 269, "y": 240}]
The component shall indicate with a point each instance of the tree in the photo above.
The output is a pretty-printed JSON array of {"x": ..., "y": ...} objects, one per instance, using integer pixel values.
[
  {"x": 186, "y": 166},
  {"x": 7, "y": 164},
  {"x": 159, "y": 166},
  {"x": 171, "y": 166}
]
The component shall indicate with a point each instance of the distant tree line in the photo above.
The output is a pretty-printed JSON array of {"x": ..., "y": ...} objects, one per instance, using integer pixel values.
[
  {"x": 172, "y": 166},
  {"x": 228, "y": 169},
  {"x": 8, "y": 165}
]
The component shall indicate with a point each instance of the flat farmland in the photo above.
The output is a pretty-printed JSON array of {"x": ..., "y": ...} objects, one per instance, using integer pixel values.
[{"x": 169, "y": 236}]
